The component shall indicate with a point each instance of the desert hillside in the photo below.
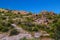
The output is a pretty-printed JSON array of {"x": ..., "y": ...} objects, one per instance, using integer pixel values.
[{"x": 22, "y": 25}]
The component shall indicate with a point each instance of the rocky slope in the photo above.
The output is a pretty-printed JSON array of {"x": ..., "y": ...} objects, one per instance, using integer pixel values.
[{"x": 15, "y": 25}]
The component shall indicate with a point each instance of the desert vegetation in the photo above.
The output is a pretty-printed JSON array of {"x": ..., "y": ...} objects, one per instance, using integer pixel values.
[{"x": 45, "y": 21}]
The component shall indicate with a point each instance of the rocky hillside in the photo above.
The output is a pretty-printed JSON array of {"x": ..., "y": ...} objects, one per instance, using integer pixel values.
[{"x": 22, "y": 25}]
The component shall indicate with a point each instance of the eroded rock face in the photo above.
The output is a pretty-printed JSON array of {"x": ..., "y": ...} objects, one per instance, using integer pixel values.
[
  {"x": 4, "y": 10},
  {"x": 19, "y": 12},
  {"x": 14, "y": 12},
  {"x": 52, "y": 13},
  {"x": 23, "y": 12},
  {"x": 42, "y": 21},
  {"x": 45, "y": 17}
]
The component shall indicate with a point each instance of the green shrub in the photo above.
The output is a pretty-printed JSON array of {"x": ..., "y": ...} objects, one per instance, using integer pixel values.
[{"x": 14, "y": 32}]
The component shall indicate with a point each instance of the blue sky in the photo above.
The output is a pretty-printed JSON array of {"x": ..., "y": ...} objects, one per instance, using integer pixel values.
[{"x": 34, "y": 6}]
